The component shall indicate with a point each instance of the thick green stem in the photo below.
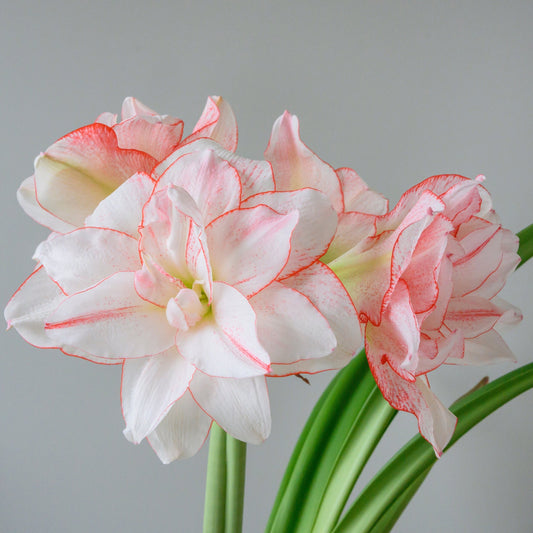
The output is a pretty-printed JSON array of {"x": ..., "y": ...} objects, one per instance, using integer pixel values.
[
  {"x": 215, "y": 487},
  {"x": 236, "y": 473}
]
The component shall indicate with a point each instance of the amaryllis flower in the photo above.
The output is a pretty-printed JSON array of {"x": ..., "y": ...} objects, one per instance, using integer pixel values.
[
  {"x": 201, "y": 284},
  {"x": 82, "y": 168},
  {"x": 425, "y": 284}
]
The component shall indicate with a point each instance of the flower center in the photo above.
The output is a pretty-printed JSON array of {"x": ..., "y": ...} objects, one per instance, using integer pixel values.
[{"x": 188, "y": 307}]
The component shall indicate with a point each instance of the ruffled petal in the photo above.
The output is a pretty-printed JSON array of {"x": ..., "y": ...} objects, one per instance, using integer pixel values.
[
  {"x": 150, "y": 386},
  {"x": 83, "y": 257},
  {"x": 182, "y": 432},
  {"x": 296, "y": 166},
  {"x": 250, "y": 247},
  {"x": 224, "y": 343},
  {"x": 110, "y": 320},
  {"x": 358, "y": 197},
  {"x": 239, "y": 406},
  {"x": 131, "y": 107},
  {"x": 289, "y": 326}
]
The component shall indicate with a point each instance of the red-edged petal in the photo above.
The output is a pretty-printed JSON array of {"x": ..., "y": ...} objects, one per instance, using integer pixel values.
[
  {"x": 250, "y": 247},
  {"x": 28, "y": 201},
  {"x": 110, "y": 320},
  {"x": 486, "y": 349},
  {"x": 218, "y": 123},
  {"x": 296, "y": 166},
  {"x": 83, "y": 257},
  {"x": 225, "y": 343},
  {"x": 317, "y": 222},
  {"x": 150, "y": 386},
  {"x": 155, "y": 285},
  {"x": 289, "y": 326},
  {"x": 182, "y": 432},
  {"x": 358, "y": 197},
  {"x": 131, "y": 107},
  {"x": 239, "y": 406}
]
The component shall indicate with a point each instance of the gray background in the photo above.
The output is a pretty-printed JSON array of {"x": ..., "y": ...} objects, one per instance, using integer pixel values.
[{"x": 397, "y": 90}]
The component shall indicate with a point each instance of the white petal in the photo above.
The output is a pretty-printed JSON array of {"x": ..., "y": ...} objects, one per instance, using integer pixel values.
[
  {"x": 182, "y": 432},
  {"x": 150, "y": 386},
  {"x": 239, "y": 406}
]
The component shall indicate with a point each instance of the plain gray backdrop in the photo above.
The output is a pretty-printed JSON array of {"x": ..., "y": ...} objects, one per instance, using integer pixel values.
[{"x": 397, "y": 90}]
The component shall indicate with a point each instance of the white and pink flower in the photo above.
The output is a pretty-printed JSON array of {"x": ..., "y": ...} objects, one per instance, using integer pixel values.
[{"x": 425, "y": 281}]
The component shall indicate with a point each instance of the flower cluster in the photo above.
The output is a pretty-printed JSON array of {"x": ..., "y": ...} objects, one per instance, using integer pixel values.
[{"x": 203, "y": 273}]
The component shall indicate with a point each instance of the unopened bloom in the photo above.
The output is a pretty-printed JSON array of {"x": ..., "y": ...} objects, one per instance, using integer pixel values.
[{"x": 424, "y": 282}]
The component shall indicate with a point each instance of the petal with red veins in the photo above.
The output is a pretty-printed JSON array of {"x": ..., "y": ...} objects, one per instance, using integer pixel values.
[
  {"x": 182, "y": 432},
  {"x": 358, "y": 197},
  {"x": 328, "y": 295},
  {"x": 317, "y": 222},
  {"x": 213, "y": 183},
  {"x": 225, "y": 343},
  {"x": 155, "y": 285},
  {"x": 79, "y": 170},
  {"x": 30, "y": 307},
  {"x": 486, "y": 349},
  {"x": 28, "y": 201},
  {"x": 150, "y": 386},
  {"x": 296, "y": 166},
  {"x": 83, "y": 257},
  {"x": 289, "y": 326},
  {"x": 218, "y": 123},
  {"x": 122, "y": 209},
  {"x": 435, "y": 352},
  {"x": 110, "y": 320},
  {"x": 239, "y": 406},
  {"x": 250, "y": 247}
]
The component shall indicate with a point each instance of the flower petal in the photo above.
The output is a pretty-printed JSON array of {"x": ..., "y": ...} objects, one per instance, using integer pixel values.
[
  {"x": 110, "y": 320},
  {"x": 317, "y": 222},
  {"x": 224, "y": 343},
  {"x": 296, "y": 166},
  {"x": 358, "y": 197},
  {"x": 250, "y": 247},
  {"x": 239, "y": 406},
  {"x": 182, "y": 432},
  {"x": 150, "y": 386},
  {"x": 289, "y": 326},
  {"x": 85, "y": 256}
]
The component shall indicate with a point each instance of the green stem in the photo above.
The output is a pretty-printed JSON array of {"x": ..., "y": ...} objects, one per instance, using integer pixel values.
[
  {"x": 418, "y": 456},
  {"x": 236, "y": 472},
  {"x": 525, "y": 249},
  {"x": 367, "y": 429},
  {"x": 215, "y": 487}
]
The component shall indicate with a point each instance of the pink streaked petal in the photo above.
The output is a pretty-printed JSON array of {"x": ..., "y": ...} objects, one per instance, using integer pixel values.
[
  {"x": 182, "y": 432},
  {"x": 289, "y": 326},
  {"x": 217, "y": 122},
  {"x": 435, "y": 423},
  {"x": 155, "y": 285},
  {"x": 83, "y": 257},
  {"x": 358, "y": 197},
  {"x": 239, "y": 406},
  {"x": 28, "y": 201},
  {"x": 30, "y": 307},
  {"x": 122, "y": 209},
  {"x": 434, "y": 320},
  {"x": 131, "y": 107},
  {"x": 328, "y": 295},
  {"x": 81, "y": 169},
  {"x": 225, "y": 343},
  {"x": 435, "y": 352},
  {"x": 250, "y": 247},
  {"x": 212, "y": 182},
  {"x": 296, "y": 166},
  {"x": 150, "y": 386},
  {"x": 110, "y": 320},
  {"x": 155, "y": 136},
  {"x": 486, "y": 349},
  {"x": 317, "y": 222},
  {"x": 397, "y": 339}
]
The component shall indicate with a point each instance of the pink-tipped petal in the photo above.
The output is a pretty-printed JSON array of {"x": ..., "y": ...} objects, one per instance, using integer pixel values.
[
  {"x": 239, "y": 406},
  {"x": 122, "y": 209},
  {"x": 312, "y": 235},
  {"x": 224, "y": 343},
  {"x": 358, "y": 197},
  {"x": 182, "y": 432},
  {"x": 110, "y": 320},
  {"x": 131, "y": 107},
  {"x": 150, "y": 386},
  {"x": 296, "y": 166},
  {"x": 250, "y": 247},
  {"x": 83, "y": 257},
  {"x": 289, "y": 326}
]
